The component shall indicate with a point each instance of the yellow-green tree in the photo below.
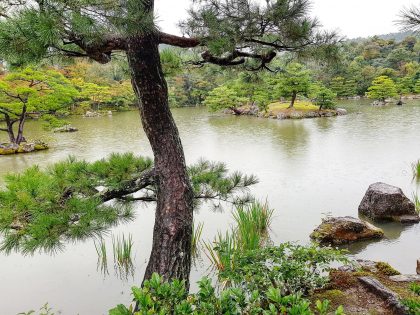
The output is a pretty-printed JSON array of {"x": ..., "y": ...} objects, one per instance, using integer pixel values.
[
  {"x": 31, "y": 92},
  {"x": 382, "y": 88}
]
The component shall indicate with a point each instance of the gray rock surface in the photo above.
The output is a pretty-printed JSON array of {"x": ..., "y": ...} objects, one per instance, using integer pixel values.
[
  {"x": 392, "y": 299},
  {"x": 385, "y": 202},
  {"x": 405, "y": 278}
]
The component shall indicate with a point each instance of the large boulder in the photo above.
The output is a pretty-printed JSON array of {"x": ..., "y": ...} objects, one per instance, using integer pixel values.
[
  {"x": 385, "y": 202},
  {"x": 343, "y": 230}
]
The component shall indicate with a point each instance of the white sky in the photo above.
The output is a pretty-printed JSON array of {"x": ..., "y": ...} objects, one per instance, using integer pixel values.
[{"x": 353, "y": 18}]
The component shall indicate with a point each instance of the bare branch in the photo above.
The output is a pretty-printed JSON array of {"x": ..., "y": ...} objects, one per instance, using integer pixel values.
[{"x": 178, "y": 41}]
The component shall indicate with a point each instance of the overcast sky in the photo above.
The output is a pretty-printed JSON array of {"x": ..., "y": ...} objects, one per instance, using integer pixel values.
[{"x": 353, "y": 18}]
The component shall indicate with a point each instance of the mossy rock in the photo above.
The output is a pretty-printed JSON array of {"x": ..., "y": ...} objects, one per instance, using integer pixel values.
[
  {"x": 8, "y": 149},
  {"x": 343, "y": 230},
  {"x": 40, "y": 146},
  {"x": 386, "y": 269}
]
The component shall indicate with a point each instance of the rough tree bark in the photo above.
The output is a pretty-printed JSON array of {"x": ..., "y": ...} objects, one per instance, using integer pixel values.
[{"x": 171, "y": 253}]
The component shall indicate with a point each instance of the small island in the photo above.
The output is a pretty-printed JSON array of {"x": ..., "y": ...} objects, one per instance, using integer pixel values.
[{"x": 282, "y": 110}]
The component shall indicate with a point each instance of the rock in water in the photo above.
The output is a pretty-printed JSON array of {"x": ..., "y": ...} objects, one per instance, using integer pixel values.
[
  {"x": 418, "y": 267},
  {"x": 344, "y": 230},
  {"x": 66, "y": 128},
  {"x": 385, "y": 202}
]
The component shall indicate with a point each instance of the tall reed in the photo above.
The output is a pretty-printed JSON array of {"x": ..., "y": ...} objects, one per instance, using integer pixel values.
[
  {"x": 122, "y": 249},
  {"x": 416, "y": 170},
  {"x": 221, "y": 252},
  {"x": 102, "y": 256},
  {"x": 253, "y": 223},
  {"x": 123, "y": 261},
  {"x": 251, "y": 232},
  {"x": 195, "y": 239}
]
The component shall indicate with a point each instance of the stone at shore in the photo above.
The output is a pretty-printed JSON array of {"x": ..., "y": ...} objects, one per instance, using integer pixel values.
[
  {"x": 405, "y": 278},
  {"x": 92, "y": 114},
  {"x": 341, "y": 111},
  {"x": 383, "y": 202},
  {"x": 379, "y": 103},
  {"x": 418, "y": 267},
  {"x": 392, "y": 298},
  {"x": 66, "y": 128},
  {"x": 10, "y": 148},
  {"x": 343, "y": 230}
]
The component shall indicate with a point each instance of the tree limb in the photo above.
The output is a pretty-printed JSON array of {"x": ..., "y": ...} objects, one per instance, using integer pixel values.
[
  {"x": 147, "y": 178},
  {"x": 178, "y": 41}
]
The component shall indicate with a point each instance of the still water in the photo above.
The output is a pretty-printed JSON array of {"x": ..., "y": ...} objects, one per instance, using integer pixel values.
[{"x": 307, "y": 169}]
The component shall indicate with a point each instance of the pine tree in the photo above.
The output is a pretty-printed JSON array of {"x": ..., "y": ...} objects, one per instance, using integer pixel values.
[{"x": 224, "y": 32}]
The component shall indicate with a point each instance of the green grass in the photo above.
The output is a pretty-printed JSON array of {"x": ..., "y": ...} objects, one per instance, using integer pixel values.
[
  {"x": 299, "y": 105},
  {"x": 415, "y": 288}
]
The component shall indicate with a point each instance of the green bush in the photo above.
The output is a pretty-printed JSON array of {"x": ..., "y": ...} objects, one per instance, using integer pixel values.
[
  {"x": 290, "y": 267},
  {"x": 160, "y": 297}
]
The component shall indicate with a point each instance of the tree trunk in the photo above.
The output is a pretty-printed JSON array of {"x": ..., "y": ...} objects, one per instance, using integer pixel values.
[
  {"x": 292, "y": 103},
  {"x": 22, "y": 119},
  {"x": 9, "y": 127},
  {"x": 171, "y": 251}
]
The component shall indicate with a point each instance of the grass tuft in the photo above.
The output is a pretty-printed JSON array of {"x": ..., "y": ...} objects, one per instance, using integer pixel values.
[
  {"x": 251, "y": 232},
  {"x": 195, "y": 240},
  {"x": 416, "y": 170}
]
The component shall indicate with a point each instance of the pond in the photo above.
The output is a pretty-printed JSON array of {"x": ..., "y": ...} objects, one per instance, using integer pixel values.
[{"x": 307, "y": 169}]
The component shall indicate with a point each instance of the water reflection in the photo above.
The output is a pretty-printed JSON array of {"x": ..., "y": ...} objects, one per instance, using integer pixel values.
[{"x": 326, "y": 124}]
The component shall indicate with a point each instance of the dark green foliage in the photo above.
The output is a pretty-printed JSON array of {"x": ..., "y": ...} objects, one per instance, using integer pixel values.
[
  {"x": 160, "y": 297},
  {"x": 324, "y": 97},
  {"x": 43, "y": 209},
  {"x": 212, "y": 180}
]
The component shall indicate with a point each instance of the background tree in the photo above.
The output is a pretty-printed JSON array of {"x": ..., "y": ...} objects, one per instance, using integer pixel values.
[
  {"x": 226, "y": 33},
  {"x": 295, "y": 80},
  {"x": 382, "y": 88},
  {"x": 31, "y": 92},
  {"x": 224, "y": 97},
  {"x": 324, "y": 97}
]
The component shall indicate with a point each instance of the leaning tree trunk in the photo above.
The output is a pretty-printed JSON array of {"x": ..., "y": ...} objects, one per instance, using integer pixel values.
[
  {"x": 171, "y": 251},
  {"x": 292, "y": 103},
  {"x": 9, "y": 127},
  {"x": 19, "y": 137}
]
